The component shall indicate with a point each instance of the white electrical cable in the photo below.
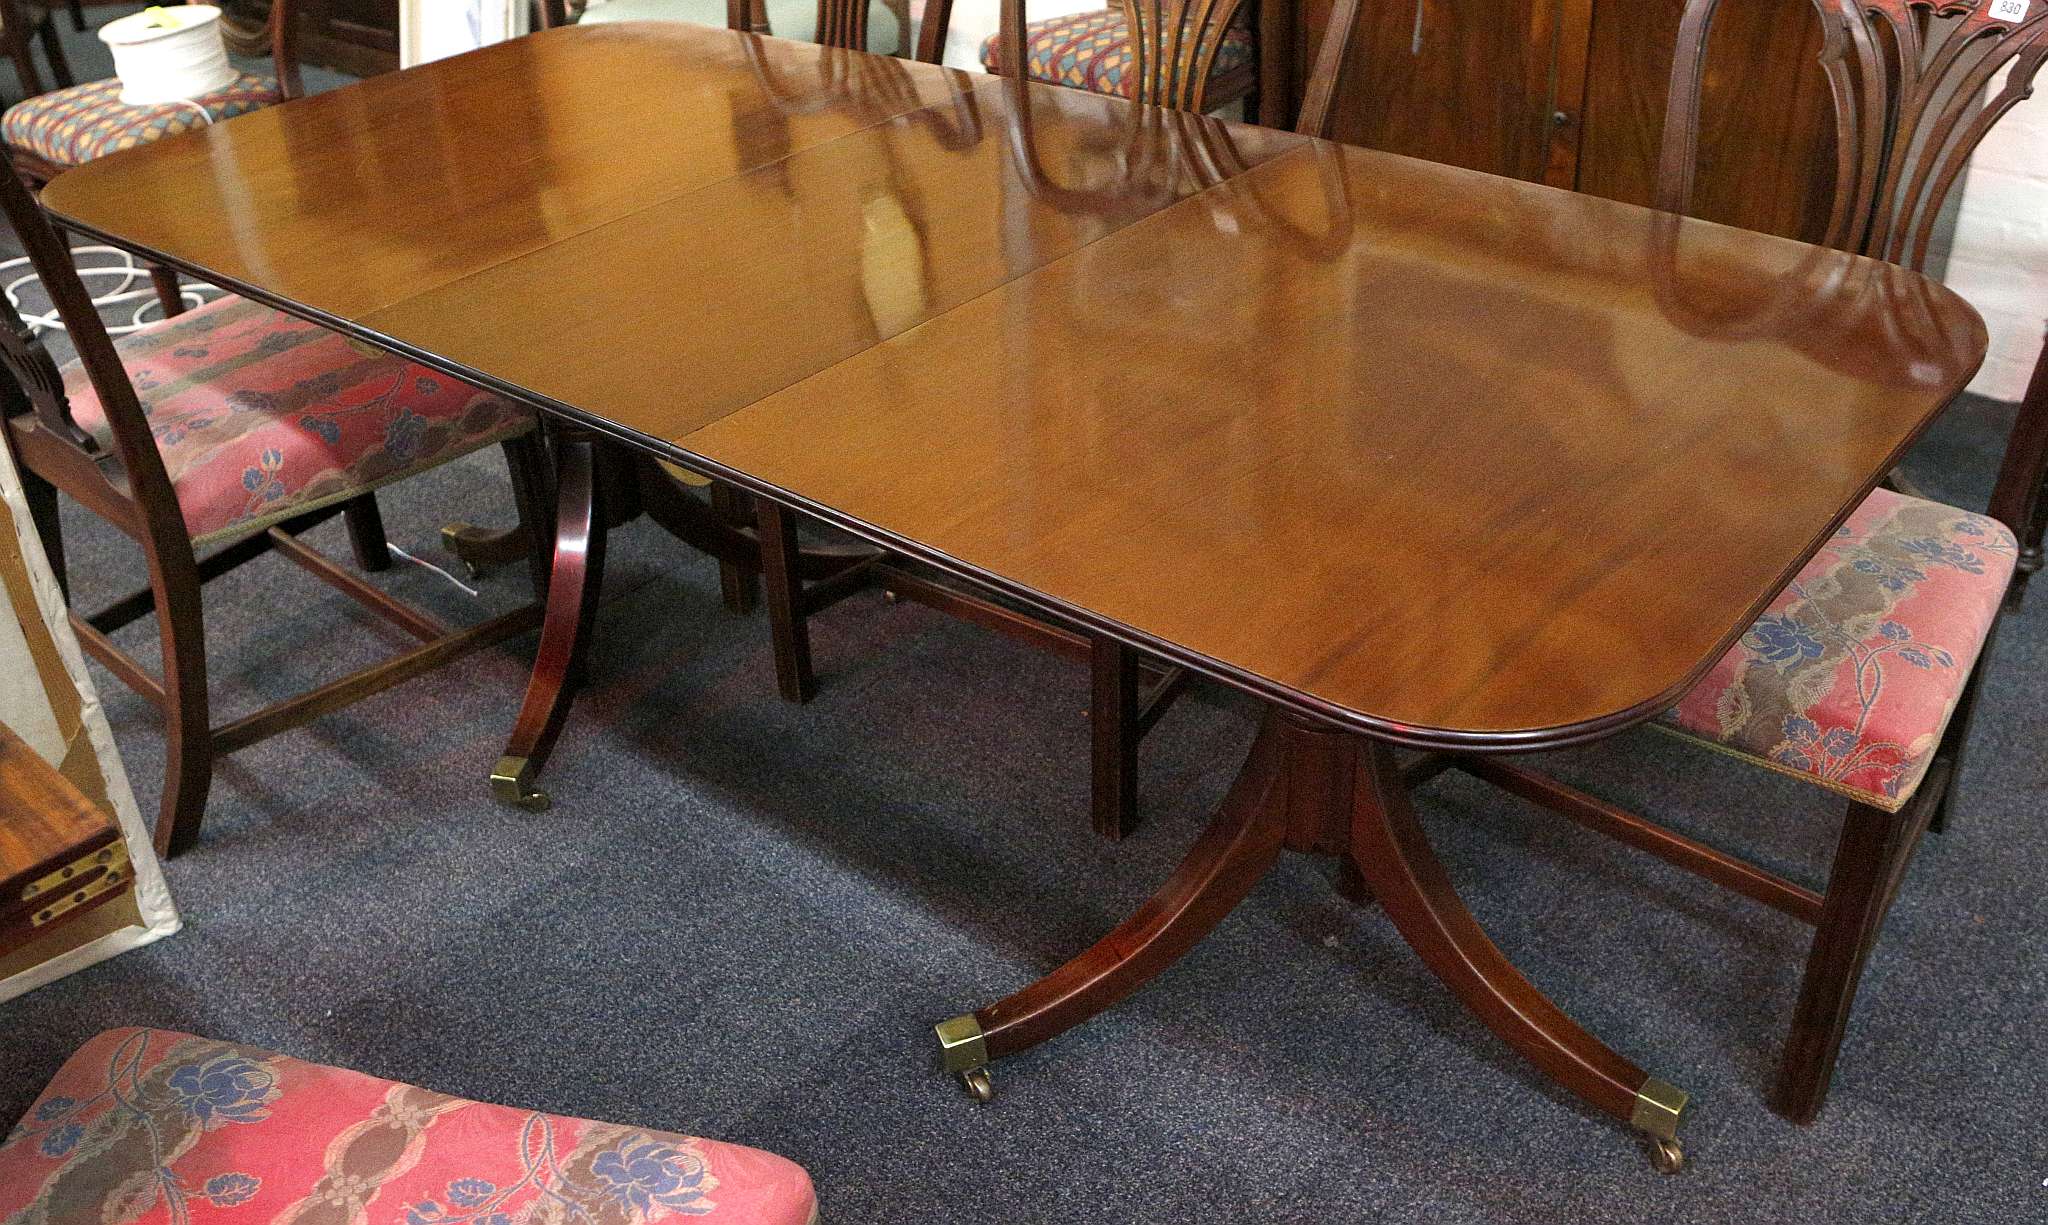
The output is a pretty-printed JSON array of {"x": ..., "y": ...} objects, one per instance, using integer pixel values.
[
  {"x": 122, "y": 292},
  {"x": 126, "y": 269},
  {"x": 205, "y": 116},
  {"x": 398, "y": 552}
]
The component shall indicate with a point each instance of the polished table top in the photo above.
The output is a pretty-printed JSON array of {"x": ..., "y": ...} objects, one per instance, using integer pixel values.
[{"x": 1446, "y": 458}]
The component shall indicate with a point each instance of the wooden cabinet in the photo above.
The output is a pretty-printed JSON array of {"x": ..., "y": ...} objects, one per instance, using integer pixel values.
[
  {"x": 1462, "y": 81},
  {"x": 359, "y": 37},
  {"x": 1572, "y": 93},
  {"x": 353, "y": 36}
]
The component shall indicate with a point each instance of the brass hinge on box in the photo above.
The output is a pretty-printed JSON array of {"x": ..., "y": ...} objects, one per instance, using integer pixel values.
[{"x": 109, "y": 862}]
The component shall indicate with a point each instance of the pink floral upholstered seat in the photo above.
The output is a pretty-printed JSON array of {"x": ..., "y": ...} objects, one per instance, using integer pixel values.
[
  {"x": 1850, "y": 678},
  {"x": 1092, "y": 51},
  {"x": 74, "y": 125},
  {"x": 260, "y": 416},
  {"x": 146, "y": 1126}
]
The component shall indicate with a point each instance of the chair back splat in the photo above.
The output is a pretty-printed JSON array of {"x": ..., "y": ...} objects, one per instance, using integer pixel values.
[
  {"x": 277, "y": 36},
  {"x": 1174, "y": 44},
  {"x": 38, "y": 383},
  {"x": 1913, "y": 89},
  {"x": 1908, "y": 80},
  {"x": 64, "y": 434},
  {"x": 840, "y": 23}
]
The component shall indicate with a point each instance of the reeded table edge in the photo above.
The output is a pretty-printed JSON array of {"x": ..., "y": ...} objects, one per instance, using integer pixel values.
[{"x": 1301, "y": 702}]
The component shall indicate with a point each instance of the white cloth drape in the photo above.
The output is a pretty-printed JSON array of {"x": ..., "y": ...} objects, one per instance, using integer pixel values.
[
  {"x": 30, "y": 710},
  {"x": 437, "y": 29}
]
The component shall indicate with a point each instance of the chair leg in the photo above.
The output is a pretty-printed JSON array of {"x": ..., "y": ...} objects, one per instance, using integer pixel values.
[
  {"x": 787, "y": 624},
  {"x": 740, "y": 586},
  {"x": 2018, "y": 500},
  {"x": 1870, "y": 857},
  {"x": 366, "y": 533},
  {"x": 188, "y": 734},
  {"x": 1351, "y": 883},
  {"x": 41, "y": 496},
  {"x": 2030, "y": 559},
  {"x": 2030, "y": 547},
  {"x": 168, "y": 295},
  {"x": 1113, "y": 734},
  {"x": 53, "y": 49},
  {"x": 1955, "y": 741}
]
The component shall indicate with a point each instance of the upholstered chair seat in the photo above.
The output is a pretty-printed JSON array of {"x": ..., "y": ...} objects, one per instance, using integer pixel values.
[
  {"x": 260, "y": 416},
  {"x": 797, "y": 19},
  {"x": 151, "y": 1126},
  {"x": 1850, "y": 678},
  {"x": 72, "y": 126},
  {"x": 1092, "y": 51}
]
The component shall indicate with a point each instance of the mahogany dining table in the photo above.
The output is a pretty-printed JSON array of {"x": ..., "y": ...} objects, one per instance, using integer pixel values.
[{"x": 1420, "y": 457}]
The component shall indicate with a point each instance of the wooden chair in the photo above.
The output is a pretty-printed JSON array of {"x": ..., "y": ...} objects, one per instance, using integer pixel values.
[
  {"x": 51, "y": 132},
  {"x": 1235, "y": 58},
  {"x": 881, "y": 26},
  {"x": 1128, "y": 693},
  {"x": 1861, "y": 677},
  {"x": 249, "y": 428},
  {"x": 23, "y": 22}
]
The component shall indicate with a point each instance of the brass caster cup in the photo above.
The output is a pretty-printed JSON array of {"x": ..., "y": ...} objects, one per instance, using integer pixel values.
[
  {"x": 510, "y": 785},
  {"x": 1667, "y": 1155},
  {"x": 965, "y": 1052},
  {"x": 455, "y": 539}
]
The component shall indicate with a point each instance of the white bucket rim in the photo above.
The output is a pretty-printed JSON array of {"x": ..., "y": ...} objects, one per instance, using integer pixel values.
[{"x": 134, "y": 30}]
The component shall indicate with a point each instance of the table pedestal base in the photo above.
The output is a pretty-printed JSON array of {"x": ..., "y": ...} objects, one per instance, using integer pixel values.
[
  {"x": 600, "y": 485},
  {"x": 1325, "y": 791}
]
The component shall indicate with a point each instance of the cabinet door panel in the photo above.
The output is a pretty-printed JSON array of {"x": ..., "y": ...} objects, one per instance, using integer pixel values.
[
  {"x": 373, "y": 23},
  {"x": 1469, "y": 82},
  {"x": 1767, "y": 131},
  {"x": 359, "y": 37}
]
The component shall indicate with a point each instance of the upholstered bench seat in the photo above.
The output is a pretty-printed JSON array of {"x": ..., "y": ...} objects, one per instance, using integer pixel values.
[
  {"x": 1851, "y": 676},
  {"x": 145, "y": 1126},
  {"x": 260, "y": 416},
  {"x": 1092, "y": 51},
  {"x": 797, "y": 19},
  {"x": 70, "y": 127}
]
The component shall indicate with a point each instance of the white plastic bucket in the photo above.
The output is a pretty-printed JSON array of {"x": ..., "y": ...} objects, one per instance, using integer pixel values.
[{"x": 167, "y": 54}]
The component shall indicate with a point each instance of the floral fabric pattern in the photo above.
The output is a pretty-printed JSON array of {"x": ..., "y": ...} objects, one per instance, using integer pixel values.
[
  {"x": 1092, "y": 51},
  {"x": 156, "y": 1128},
  {"x": 1849, "y": 680},
  {"x": 260, "y": 416},
  {"x": 72, "y": 126}
]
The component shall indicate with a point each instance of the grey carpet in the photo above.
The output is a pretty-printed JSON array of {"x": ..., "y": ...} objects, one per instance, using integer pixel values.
[{"x": 742, "y": 917}]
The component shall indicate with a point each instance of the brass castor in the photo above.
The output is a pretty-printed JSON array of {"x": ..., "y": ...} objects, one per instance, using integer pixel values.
[
  {"x": 891, "y": 596},
  {"x": 1667, "y": 1155},
  {"x": 978, "y": 1085},
  {"x": 456, "y": 539},
  {"x": 511, "y": 784}
]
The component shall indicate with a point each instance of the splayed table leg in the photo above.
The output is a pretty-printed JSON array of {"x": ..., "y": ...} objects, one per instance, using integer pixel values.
[{"x": 1321, "y": 790}]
